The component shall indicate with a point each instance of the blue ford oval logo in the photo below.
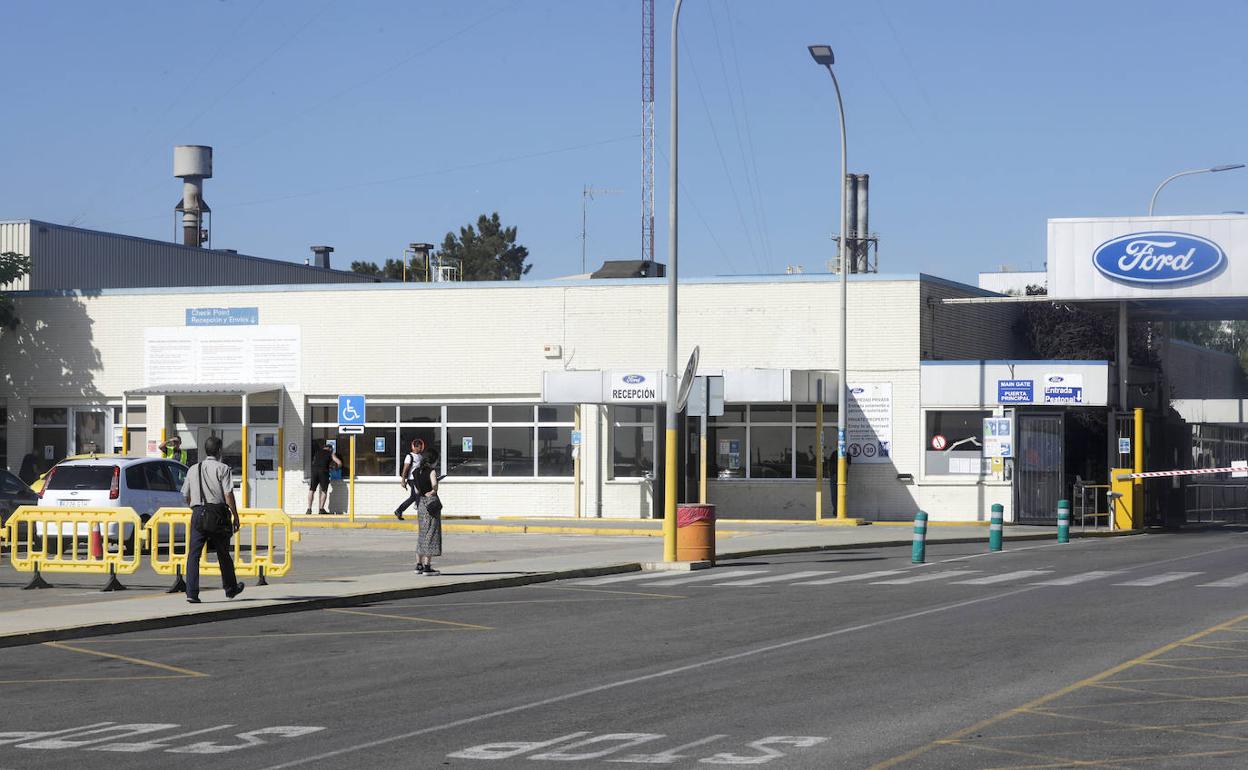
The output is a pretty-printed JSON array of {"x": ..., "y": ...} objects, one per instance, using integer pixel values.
[
  {"x": 1056, "y": 378},
  {"x": 1153, "y": 258},
  {"x": 633, "y": 379},
  {"x": 857, "y": 391}
]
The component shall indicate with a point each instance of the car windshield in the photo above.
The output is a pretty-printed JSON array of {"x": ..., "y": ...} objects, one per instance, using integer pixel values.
[{"x": 82, "y": 477}]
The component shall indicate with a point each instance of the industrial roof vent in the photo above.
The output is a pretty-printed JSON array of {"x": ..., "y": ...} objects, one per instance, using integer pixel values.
[
  {"x": 630, "y": 268},
  {"x": 192, "y": 163}
]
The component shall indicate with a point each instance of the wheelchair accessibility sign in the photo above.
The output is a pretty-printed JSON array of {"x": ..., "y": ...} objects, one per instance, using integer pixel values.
[{"x": 351, "y": 414}]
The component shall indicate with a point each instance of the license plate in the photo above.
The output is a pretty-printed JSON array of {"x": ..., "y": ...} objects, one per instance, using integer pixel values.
[{"x": 74, "y": 503}]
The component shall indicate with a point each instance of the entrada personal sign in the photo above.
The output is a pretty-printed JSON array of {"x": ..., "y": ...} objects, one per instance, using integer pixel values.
[{"x": 633, "y": 387}]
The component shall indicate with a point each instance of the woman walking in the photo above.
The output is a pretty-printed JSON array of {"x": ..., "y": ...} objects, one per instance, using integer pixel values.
[{"x": 428, "y": 514}]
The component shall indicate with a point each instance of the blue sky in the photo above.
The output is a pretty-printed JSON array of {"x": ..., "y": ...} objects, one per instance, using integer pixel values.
[{"x": 371, "y": 124}]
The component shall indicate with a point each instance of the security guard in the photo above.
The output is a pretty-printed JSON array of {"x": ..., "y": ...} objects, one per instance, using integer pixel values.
[{"x": 172, "y": 450}]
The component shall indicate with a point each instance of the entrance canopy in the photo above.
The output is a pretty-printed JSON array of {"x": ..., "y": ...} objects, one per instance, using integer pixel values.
[{"x": 206, "y": 389}]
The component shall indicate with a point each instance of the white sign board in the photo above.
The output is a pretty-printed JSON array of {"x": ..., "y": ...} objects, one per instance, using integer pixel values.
[
  {"x": 998, "y": 437},
  {"x": 1239, "y": 464},
  {"x": 632, "y": 387},
  {"x": 176, "y": 355},
  {"x": 869, "y": 423},
  {"x": 1156, "y": 257}
]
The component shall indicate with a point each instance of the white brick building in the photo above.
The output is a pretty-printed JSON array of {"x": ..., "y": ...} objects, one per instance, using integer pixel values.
[{"x": 432, "y": 357}]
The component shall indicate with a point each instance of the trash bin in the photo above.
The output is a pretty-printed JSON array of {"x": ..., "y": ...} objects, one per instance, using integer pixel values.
[{"x": 695, "y": 532}]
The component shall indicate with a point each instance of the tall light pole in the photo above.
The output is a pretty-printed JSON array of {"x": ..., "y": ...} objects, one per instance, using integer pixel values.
[
  {"x": 1167, "y": 180},
  {"x": 822, "y": 54},
  {"x": 673, "y": 417}
]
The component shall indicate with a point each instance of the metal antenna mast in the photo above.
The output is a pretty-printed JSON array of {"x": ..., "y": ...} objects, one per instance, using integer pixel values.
[{"x": 647, "y": 130}]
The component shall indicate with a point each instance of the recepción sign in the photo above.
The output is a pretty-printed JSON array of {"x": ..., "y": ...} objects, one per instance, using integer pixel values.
[
  {"x": 1016, "y": 391},
  {"x": 634, "y": 387}
]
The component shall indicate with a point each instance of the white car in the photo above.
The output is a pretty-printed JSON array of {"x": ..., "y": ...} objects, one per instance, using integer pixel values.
[{"x": 145, "y": 484}]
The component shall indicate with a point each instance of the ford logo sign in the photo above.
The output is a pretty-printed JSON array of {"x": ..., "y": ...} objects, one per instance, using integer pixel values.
[
  {"x": 857, "y": 391},
  {"x": 633, "y": 379},
  {"x": 1056, "y": 378},
  {"x": 1155, "y": 258}
]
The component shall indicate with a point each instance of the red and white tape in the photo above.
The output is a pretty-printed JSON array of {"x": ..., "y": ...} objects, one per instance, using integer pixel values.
[{"x": 1189, "y": 472}]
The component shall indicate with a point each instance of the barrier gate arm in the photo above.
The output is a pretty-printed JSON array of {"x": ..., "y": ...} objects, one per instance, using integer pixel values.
[{"x": 1184, "y": 472}]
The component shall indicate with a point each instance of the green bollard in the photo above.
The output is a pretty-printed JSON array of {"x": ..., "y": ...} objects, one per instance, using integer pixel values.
[
  {"x": 1063, "y": 521},
  {"x": 994, "y": 527},
  {"x": 919, "y": 547}
]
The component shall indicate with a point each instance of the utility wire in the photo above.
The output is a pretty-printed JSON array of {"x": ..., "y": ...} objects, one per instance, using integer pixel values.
[
  {"x": 724, "y": 162},
  {"x": 751, "y": 184},
  {"x": 688, "y": 198}
]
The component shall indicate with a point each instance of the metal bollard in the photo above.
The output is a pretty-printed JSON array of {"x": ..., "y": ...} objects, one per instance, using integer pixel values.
[
  {"x": 919, "y": 547},
  {"x": 994, "y": 527},
  {"x": 1063, "y": 521}
]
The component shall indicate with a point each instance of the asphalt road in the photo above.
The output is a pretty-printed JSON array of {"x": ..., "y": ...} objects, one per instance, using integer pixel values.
[{"x": 1127, "y": 653}]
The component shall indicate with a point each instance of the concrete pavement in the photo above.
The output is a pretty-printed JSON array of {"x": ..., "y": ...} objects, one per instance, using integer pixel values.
[{"x": 337, "y": 567}]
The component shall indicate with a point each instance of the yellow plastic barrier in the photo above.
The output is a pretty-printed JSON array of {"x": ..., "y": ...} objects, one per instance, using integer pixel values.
[
  {"x": 263, "y": 546},
  {"x": 82, "y": 540}
]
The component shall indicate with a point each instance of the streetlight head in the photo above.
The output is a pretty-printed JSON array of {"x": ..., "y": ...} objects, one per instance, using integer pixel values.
[
  {"x": 822, "y": 54},
  {"x": 1227, "y": 167}
]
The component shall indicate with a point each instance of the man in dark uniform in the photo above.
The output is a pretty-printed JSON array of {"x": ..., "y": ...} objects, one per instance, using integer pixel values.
[{"x": 322, "y": 459}]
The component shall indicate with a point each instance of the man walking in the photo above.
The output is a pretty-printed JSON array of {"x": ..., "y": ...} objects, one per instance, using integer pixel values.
[{"x": 209, "y": 488}]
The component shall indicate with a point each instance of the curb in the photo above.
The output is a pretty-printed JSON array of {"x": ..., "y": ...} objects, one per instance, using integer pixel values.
[{"x": 355, "y": 600}]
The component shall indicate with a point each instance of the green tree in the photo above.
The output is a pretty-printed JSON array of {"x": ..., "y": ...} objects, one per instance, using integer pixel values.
[
  {"x": 1226, "y": 336},
  {"x": 12, "y": 267},
  {"x": 392, "y": 269},
  {"x": 487, "y": 253},
  {"x": 1057, "y": 331}
]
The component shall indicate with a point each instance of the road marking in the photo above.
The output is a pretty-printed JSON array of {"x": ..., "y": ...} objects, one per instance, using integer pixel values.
[
  {"x": 408, "y": 617},
  {"x": 645, "y": 594},
  {"x": 91, "y": 679},
  {"x": 137, "y": 661},
  {"x": 1156, "y": 580},
  {"x": 701, "y": 664},
  {"x": 777, "y": 578},
  {"x": 925, "y": 578},
  {"x": 701, "y": 575},
  {"x": 599, "y": 581},
  {"x": 1231, "y": 582},
  {"x": 1021, "y": 574},
  {"x": 1034, "y": 705},
  {"x": 1082, "y": 577},
  {"x": 849, "y": 578}
]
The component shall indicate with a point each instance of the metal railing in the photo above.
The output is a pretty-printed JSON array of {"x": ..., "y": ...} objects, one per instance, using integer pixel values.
[
  {"x": 1092, "y": 505},
  {"x": 1209, "y": 503}
]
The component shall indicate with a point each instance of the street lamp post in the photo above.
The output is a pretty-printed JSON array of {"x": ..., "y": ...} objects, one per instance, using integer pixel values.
[
  {"x": 823, "y": 56},
  {"x": 672, "y": 423},
  {"x": 1167, "y": 180}
]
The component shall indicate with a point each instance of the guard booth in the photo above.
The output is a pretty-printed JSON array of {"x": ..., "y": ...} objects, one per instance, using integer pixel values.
[
  {"x": 246, "y": 417},
  {"x": 1057, "y": 429}
]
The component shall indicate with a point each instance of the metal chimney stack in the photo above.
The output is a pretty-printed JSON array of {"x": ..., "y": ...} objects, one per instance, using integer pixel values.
[
  {"x": 192, "y": 163},
  {"x": 858, "y": 243},
  {"x": 321, "y": 256}
]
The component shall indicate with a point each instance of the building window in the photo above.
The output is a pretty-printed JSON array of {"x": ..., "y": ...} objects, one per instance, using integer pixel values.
[
  {"x": 262, "y": 414},
  {"x": 135, "y": 422},
  {"x": 769, "y": 441},
  {"x": 51, "y": 435},
  {"x": 500, "y": 441},
  {"x": 953, "y": 443},
  {"x": 632, "y": 441}
]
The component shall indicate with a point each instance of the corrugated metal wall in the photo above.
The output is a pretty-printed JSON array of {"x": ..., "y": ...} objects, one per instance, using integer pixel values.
[
  {"x": 15, "y": 236},
  {"x": 71, "y": 258}
]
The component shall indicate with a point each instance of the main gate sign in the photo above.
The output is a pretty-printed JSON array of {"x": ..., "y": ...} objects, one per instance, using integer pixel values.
[{"x": 1148, "y": 257}]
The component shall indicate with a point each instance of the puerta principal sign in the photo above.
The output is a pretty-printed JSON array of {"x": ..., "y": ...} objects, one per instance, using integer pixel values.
[{"x": 1148, "y": 257}]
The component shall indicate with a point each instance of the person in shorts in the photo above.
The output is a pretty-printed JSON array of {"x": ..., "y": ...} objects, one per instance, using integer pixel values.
[{"x": 323, "y": 458}]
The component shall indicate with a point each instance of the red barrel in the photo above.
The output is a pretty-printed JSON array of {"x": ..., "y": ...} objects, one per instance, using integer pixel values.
[{"x": 695, "y": 532}]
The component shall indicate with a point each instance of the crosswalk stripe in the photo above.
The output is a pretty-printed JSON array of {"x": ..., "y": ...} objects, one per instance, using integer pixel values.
[
  {"x": 710, "y": 574},
  {"x": 1231, "y": 582},
  {"x": 776, "y": 578},
  {"x": 848, "y": 578},
  {"x": 926, "y": 576},
  {"x": 1004, "y": 578},
  {"x": 1082, "y": 577},
  {"x": 1166, "y": 577},
  {"x": 599, "y": 581}
]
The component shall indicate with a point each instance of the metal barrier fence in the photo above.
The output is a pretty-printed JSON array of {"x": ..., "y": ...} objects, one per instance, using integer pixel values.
[
  {"x": 1207, "y": 503},
  {"x": 112, "y": 541},
  {"x": 1092, "y": 502},
  {"x": 78, "y": 540},
  {"x": 262, "y": 546}
]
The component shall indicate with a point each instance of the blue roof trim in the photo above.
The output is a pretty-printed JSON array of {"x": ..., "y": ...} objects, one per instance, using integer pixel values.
[
  {"x": 1016, "y": 361},
  {"x": 453, "y": 286}
]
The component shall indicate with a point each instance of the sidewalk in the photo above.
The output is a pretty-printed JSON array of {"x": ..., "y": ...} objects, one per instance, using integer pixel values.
[{"x": 336, "y": 567}]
